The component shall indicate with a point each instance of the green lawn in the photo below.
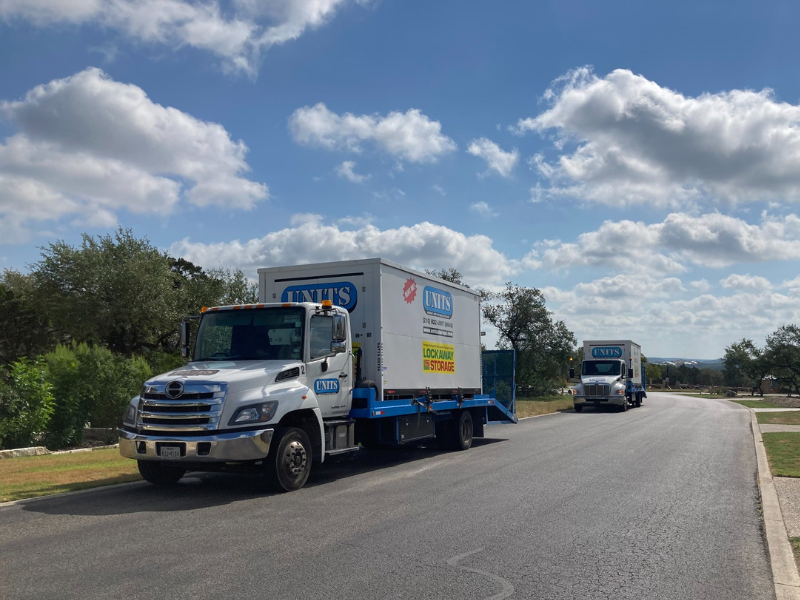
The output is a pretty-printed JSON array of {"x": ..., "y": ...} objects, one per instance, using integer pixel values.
[
  {"x": 44, "y": 475},
  {"x": 795, "y": 541},
  {"x": 783, "y": 452},
  {"x": 543, "y": 406},
  {"x": 757, "y": 404},
  {"x": 780, "y": 418}
]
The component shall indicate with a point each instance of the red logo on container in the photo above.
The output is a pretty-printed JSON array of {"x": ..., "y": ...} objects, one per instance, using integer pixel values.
[{"x": 410, "y": 290}]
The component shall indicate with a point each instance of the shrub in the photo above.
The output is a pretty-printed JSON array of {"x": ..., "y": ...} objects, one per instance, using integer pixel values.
[
  {"x": 91, "y": 384},
  {"x": 26, "y": 404}
]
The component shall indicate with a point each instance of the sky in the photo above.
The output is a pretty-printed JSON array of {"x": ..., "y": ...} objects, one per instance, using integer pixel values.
[{"x": 638, "y": 163}]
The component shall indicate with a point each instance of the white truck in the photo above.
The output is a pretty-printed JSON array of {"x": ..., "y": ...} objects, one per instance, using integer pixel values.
[
  {"x": 335, "y": 356},
  {"x": 611, "y": 374}
]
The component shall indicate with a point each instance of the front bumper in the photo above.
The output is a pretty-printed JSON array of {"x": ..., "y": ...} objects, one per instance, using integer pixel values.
[
  {"x": 616, "y": 400},
  {"x": 223, "y": 447}
]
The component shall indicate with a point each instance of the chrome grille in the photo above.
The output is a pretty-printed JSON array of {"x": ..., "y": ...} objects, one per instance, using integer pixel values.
[
  {"x": 197, "y": 409},
  {"x": 596, "y": 389}
]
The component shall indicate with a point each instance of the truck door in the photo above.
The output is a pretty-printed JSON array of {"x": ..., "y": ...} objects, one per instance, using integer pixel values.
[{"x": 330, "y": 375}]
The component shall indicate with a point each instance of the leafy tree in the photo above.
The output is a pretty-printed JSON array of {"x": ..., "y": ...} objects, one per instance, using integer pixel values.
[
  {"x": 653, "y": 373},
  {"x": 24, "y": 330},
  {"x": 783, "y": 354},
  {"x": 26, "y": 404},
  {"x": 543, "y": 346},
  {"x": 745, "y": 363}
]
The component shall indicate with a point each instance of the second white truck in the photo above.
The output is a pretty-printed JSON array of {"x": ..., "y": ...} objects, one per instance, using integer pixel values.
[{"x": 611, "y": 375}]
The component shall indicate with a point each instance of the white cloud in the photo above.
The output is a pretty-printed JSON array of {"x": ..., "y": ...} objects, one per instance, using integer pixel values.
[
  {"x": 409, "y": 136},
  {"x": 237, "y": 32},
  {"x": 657, "y": 313},
  {"x": 483, "y": 209},
  {"x": 747, "y": 283},
  {"x": 496, "y": 158},
  {"x": 640, "y": 143},
  {"x": 88, "y": 146},
  {"x": 701, "y": 285},
  {"x": 345, "y": 171},
  {"x": 439, "y": 189},
  {"x": 309, "y": 240},
  {"x": 711, "y": 240}
]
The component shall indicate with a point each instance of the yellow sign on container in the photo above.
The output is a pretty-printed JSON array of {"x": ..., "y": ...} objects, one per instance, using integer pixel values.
[{"x": 438, "y": 358}]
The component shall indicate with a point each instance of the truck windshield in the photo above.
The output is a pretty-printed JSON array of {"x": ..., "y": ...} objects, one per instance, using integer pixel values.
[
  {"x": 252, "y": 334},
  {"x": 601, "y": 367}
]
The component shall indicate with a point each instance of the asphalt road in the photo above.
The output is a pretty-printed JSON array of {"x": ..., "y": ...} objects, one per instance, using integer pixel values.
[{"x": 658, "y": 502}]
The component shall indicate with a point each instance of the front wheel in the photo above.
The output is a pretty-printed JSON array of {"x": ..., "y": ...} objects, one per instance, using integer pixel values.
[
  {"x": 624, "y": 406},
  {"x": 578, "y": 407},
  {"x": 160, "y": 474},
  {"x": 288, "y": 463}
]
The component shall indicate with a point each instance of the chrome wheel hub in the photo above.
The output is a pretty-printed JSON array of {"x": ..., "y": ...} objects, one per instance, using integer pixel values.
[{"x": 295, "y": 459}]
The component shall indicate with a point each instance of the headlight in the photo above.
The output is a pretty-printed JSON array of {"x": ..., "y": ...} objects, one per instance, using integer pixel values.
[
  {"x": 130, "y": 414},
  {"x": 255, "y": 413}
]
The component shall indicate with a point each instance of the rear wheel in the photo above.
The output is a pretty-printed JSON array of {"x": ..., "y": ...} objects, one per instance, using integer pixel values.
[
  {"x": 638, "y": 401},
  {"x": 160, "y": 474},
  {"x": 463, "y": 433},
  {"x": 288, "y": 464},
  {"x": 624, "y": 406},
  {"x": 578, "y": 407}
]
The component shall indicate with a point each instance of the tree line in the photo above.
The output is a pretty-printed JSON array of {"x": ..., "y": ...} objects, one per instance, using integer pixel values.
[
  {"x": 87, "y": 325},
  {"x": 747, "y": 365}
]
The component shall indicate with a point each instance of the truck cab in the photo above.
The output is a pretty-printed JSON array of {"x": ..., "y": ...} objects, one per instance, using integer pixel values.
[{"x": 257, "y": 374}]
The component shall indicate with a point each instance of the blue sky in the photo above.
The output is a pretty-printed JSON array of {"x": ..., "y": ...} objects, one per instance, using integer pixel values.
[{"x": 639, "y": 164}]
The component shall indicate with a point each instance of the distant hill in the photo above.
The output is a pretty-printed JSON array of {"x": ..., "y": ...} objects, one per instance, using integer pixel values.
[{"x": 701, "y": 363}]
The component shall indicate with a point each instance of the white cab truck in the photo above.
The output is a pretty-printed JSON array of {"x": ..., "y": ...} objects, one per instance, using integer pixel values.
[
  {"x": 334, "y": 357},
  {"x": 611, "y": 374}
]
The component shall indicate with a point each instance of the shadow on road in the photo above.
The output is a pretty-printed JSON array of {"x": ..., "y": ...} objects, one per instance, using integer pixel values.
[{"x": 205, "y": 490}]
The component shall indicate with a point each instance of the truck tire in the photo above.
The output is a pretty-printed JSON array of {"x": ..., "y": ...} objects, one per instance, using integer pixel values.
[
  {"x": 288, "y": 463},
  {"x": 638, "y": 401},
  {"x": 578, "y": 407},
  {"x": 624, "y": 406},
  {"x": 462, "y": 433},
  {"x": 160, "y": 474}
]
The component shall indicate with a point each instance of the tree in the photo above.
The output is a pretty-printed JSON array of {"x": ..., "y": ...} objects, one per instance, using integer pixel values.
[
  {"x": 26, "y": 404},
  {"x": 783, "y": 354},
  {"x": 24, "y": 330},
  {"x": 745, "y": 363},
  {"x": 543, "y": 347},
  {"x": 653, "y": 373},
  {"x": 450, "y": 274}
]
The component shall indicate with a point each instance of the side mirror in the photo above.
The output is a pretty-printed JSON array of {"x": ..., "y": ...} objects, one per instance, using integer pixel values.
[
  {"x": 338, "y": 329},
  {"x": 571, "y": 372},
  {"x": 185, "y": 339},
  {"x": 338, "y": 347}
]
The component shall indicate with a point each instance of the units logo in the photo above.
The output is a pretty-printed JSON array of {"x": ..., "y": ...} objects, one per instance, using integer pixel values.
[
  {"x": 607, "y": 352},
  {"x": 326, "y": 386},
  {"x": 438, "y": 358},
  {"x": 340, "y": 293},
  {"x": 410, "y": 290},
  {"x": 437, "y": 302}
]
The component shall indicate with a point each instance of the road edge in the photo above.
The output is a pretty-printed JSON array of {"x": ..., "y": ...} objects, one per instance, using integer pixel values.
[{"x": 785, "y": 576}]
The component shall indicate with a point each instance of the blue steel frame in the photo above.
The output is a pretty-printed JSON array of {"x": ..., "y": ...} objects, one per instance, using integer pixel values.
[
  {"x": 512, "y": 405},
  {"x": 381, "y": 409}
]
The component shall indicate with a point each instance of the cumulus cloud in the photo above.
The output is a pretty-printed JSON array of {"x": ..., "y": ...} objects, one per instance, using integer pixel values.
[
  {"x": 496, "y": 158},
  {"x": 753, "y": 283},
  {"x": 662, "y": 313},
  {"x": 637, "y": 142},
  {"x": 88, "y": 146},
  {"x": 709, "y": 240},
  {"x": 409, "y": 136},
  {"x": 345, "y": 171},
  {"x": 310, "y": 239},
  {"x": 236, "y": 31},
  {"x": 483, "y": 209}
]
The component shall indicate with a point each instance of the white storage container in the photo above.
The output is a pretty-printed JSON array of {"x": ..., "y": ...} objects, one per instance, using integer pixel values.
[
  {"x": 416, "y": 332},
  {"x": 626, "y": 350}
]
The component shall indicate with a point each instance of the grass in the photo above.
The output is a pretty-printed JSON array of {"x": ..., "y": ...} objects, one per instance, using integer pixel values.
[
  {"x": 543, "y": 406},
  {"x": 780, "y": 418},
  {"x": 795, "y": 541},
  {"x": 716, "y": 396},
  {"x": 34, "y": 476},
  {"x": 783, "y": 452},
  {"x": 757, "y": 404}
]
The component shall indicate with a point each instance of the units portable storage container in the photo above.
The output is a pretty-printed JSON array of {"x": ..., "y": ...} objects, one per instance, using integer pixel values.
[{"x": 416, "y": 333}]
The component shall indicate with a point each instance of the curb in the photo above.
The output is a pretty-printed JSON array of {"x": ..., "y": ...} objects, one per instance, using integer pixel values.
[
  {"x": 784, "y": 569},
  {"x": 75, "y": 493}
]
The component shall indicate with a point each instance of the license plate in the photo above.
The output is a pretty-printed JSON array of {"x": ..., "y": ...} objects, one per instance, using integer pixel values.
[{"x": 170, "y": 452}]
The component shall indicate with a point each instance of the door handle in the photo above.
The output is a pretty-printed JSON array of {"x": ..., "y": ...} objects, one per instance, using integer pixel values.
[{"x": 342, "y": 375}]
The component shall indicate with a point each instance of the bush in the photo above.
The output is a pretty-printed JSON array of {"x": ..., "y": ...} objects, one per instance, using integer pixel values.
[
  {"x": 90, "y": 384},
  {"x": 26, "y": 404}
]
